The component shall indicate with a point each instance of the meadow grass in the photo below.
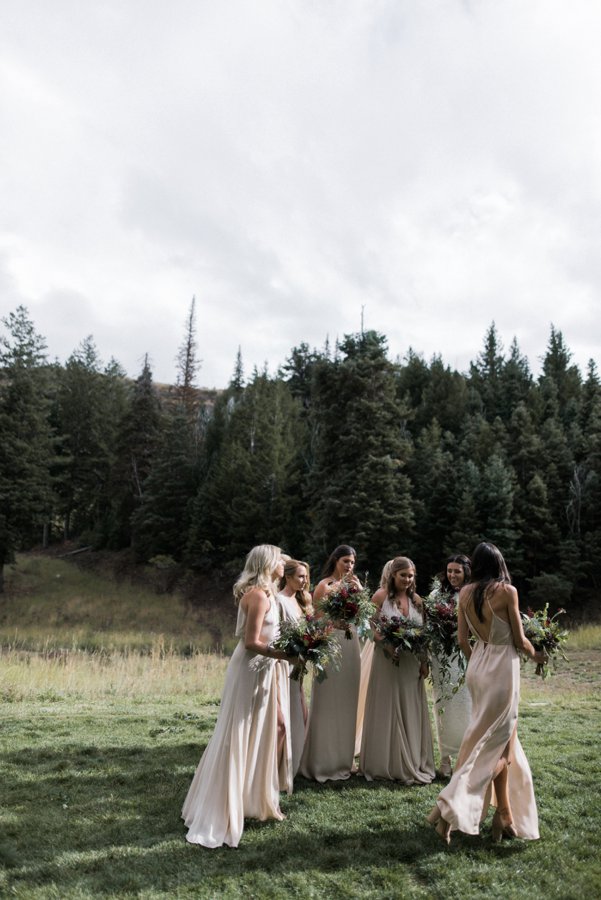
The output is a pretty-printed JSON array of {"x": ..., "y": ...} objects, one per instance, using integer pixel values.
[
  {"x": 54, "y": 604},
  {"x": 97, "y": 750}
]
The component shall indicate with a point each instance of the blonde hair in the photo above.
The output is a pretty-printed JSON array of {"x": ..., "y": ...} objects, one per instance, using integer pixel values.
[
  {"x": 258, "y": 570},
  {"x": 386, "y": 573}
]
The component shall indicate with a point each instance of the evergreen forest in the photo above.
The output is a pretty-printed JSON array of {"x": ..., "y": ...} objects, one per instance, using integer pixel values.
[{"x": 341, "y": 445}]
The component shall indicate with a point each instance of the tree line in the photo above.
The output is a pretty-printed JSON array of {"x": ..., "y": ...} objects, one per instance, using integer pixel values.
[{"x": 341, "y": 445}]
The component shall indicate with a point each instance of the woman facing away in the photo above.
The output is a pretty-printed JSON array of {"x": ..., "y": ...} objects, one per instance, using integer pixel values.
[
  {"x": 329, "y": 749},
  {"x": 491, "y": 766},
  {"x": 452, "y": 711},
  {"x": 397, "y": 738},
  {"x": 294, "y": 601},
  {"x": 237, "y": 776}
]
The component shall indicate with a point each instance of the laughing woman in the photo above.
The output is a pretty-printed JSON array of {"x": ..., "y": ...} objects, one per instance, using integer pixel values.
[
  {"x": 237, "y": 777},
  {"x": 452, "y": 711},
  {"x": 397, "y": 738}
]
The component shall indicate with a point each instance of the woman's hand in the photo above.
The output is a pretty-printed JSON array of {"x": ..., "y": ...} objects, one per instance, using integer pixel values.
[{"x": 424, "y": 668}]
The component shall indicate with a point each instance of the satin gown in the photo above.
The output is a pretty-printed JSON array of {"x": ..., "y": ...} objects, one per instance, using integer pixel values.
[
  {"x": 329, "y": 750},
  {"x": 493, "y": 679},
  {"x": 288, "y": 609},
  {"x": 397, "y": 737},
  {"x": 237, "y": 776}
]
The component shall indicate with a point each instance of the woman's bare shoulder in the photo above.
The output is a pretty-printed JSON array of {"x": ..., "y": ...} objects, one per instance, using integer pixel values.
[
  {"x": 255, "y": 596},
  {"x": 379, "y": 597}
]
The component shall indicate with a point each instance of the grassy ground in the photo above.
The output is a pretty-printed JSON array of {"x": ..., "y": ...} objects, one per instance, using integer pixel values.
[
  {"x": 98, "y": 749},
  {"x": 53, "y": 604}
]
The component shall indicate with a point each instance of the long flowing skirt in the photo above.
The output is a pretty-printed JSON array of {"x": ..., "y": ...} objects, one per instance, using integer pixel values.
[
  {"x": 493, "y": 679},
  {"x": 237, "y": 777},
  {"x": 329, "y": 749}
]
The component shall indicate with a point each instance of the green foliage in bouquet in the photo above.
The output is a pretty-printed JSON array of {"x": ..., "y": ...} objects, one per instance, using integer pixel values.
[
  {"x": 311, "y": 640},
  {"x": 545, "y": 633},
  {"x": 348, "y": 604},
  {"x": 399, "y": 633}
]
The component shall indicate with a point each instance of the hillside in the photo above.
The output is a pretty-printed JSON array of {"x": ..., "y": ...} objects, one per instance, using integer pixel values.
[{"x": 99, "y": 601}]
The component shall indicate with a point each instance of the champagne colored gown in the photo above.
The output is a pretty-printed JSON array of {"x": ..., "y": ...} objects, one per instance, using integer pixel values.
[
  {"x": 452, "y": 712},
  {"x": 288, "y": 609},
  {"x": 237, "y": 776},
  {"x": 397, "y": 737},
  {"x": 493, "y": 679},
  {"x": 329, "y": 749}
]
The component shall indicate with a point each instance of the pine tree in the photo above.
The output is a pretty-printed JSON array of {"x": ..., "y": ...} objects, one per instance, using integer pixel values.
[
  {"x": 88, "y": 406},
  {"x": 515, "y": 382},
  {"x": 464, "y": 520},
  {"x": 496, "y": 504},
  {"x": 431, "y": 472},
  {"x": 26, "y": 446},
  {"x": 136, "y": 441},
  {"x": 188, "y": 366},
  {"x": 565, "y": 377},
  {"x": 486, "y": 374},
  {"x": 161, "y": 521},
  {"x": 250, "y": 447},
  {"x": 358, "y": 488}
]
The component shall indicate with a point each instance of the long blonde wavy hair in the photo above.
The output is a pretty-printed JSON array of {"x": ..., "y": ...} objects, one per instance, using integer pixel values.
[{"x": 258, "y": 570}]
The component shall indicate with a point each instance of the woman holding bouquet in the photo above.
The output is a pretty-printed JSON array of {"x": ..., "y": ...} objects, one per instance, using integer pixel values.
[
  {"x": 237, "y": 776},
  {"x": 329, "y": 749},
  {"x": 452, "y": 711},
  {"x": 294, "y": 601},
  {"x": 491, "y": 766},
  {"x": 397, "y": 738}
]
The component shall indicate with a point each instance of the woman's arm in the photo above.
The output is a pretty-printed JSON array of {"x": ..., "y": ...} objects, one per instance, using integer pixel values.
[
  {"x": 463, "y": 632},
  {"x": 515, "y": 620},
  {"x": 256, "y": 603},
  {"x": 378, "y": 599}
]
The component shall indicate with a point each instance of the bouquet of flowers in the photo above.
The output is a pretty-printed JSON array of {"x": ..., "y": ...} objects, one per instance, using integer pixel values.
[
  {"x": 313, "y": 641},
  {"x": 441, "y": 628},
  {"x": 348, "y": 604},
  {"x": 545, "y": 633},
  {"x": 400, "y": 633}
]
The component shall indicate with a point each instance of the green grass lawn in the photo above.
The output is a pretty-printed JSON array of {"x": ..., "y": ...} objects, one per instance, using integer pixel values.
[{"x": 97, "y": 750}]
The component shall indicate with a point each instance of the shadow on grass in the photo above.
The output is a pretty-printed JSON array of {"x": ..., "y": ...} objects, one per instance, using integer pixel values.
[{"x": 107, "y": 820}]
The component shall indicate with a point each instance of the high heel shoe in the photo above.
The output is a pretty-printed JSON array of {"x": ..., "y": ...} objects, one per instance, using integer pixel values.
[
  {"x": 443, "y": 830},
  {"x": 502, "y": 825},
  {"x": 441, "y": 826},
  {"x": 433, "y": 816}
]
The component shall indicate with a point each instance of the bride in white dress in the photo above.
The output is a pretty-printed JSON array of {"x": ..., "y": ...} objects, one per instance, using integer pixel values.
[
  {"x": 452, "y": 711},
  {"x": 237, "y": 776}
]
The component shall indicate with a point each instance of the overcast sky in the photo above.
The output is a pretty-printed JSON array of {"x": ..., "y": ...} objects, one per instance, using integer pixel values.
[{"x": 287, "y": 162}]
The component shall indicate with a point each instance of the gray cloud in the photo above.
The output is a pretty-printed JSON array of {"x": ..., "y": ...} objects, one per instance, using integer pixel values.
[{"x": 291, "y": 163}]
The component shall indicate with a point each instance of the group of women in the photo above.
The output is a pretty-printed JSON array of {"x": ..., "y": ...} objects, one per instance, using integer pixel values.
[{"x": 368, "y": 707}]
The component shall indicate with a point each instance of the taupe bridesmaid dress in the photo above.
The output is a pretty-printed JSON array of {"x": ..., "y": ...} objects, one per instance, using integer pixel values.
[
  {"x": 397, "y": 737},
  {"x": 329, "y": 749}
]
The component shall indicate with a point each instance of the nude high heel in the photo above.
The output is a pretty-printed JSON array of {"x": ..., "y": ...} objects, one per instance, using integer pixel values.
[
  {"x": 441, "y": 826},
  {"x": 502, "y": 825}
]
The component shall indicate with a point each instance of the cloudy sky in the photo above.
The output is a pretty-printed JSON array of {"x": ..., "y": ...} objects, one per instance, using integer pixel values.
[{"x": 288, "y": 162}]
